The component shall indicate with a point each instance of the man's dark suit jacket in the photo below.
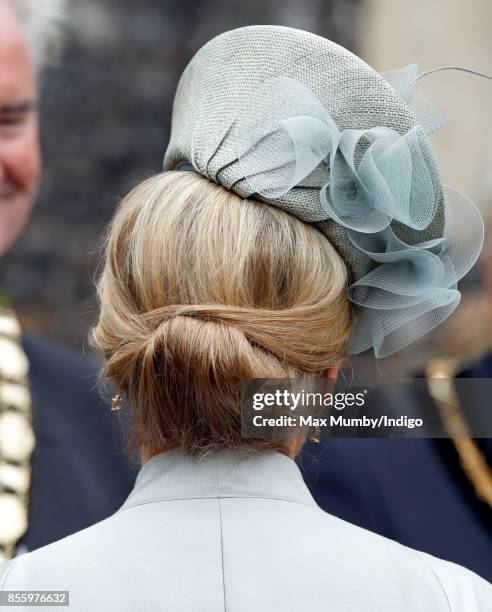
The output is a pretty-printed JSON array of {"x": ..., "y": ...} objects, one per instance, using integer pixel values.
[
  {"x": 80, "y": 473},
  {"x": 413, "y": 491}
]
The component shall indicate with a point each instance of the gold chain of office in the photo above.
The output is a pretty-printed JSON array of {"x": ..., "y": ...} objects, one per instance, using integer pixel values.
[
  {"x": 16, "y": 435},
  {"x": 440, "y": 380}
]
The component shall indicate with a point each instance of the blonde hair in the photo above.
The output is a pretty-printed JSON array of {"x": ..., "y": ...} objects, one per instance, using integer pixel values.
[{"x": 201, "y": 289}]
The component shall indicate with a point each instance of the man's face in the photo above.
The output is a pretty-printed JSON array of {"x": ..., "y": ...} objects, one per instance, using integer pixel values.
[{"x": 20, "y": 162}]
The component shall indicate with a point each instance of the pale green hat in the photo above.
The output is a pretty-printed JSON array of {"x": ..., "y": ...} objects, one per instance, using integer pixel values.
[
  {"x": 261, "y": 103},
  {"x": 219, "y": 82}
]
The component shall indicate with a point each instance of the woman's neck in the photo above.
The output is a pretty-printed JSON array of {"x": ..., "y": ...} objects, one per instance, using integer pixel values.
[{"x": 294, "y": 447}]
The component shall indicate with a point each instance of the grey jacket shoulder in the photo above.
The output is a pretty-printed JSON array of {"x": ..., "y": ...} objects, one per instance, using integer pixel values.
[
  {"x": 223, "y": 534},
  {"x": 104, "y": 565},
  {"x": 464, "y": 589},
  {"x": 4, "y": 570}
]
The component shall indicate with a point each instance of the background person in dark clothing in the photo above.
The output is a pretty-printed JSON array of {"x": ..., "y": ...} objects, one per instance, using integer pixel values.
[{"x": 48, "y": 396}]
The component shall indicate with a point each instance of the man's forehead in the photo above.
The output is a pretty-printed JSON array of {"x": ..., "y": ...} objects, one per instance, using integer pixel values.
[
  {"x": 17, "y": 80},
  {"x": 12, "y": 38}
]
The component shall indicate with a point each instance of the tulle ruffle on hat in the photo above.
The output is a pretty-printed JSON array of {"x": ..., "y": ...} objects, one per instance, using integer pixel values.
[{"x": 377, "y": 177}]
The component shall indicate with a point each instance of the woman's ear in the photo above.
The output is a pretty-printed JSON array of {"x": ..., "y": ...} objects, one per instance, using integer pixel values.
[{"x": 332, "y": 372}]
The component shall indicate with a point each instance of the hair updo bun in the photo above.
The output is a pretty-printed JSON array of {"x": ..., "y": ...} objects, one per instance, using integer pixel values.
[{"x": 201, "y": 289}]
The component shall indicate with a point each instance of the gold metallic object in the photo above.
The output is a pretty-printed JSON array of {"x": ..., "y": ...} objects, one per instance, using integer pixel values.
[
  {"x": 16, "y": 397},
  {"x": 13, "y": 362},
  {"x": 472, "y": 460},
  {"x": 9, "y": 326},
  {"x": 315, "y": 436},
  {"x": 15, "y": 478},
  {"x": 116, "y": 403},
  {"x": 16, "y": 435},
  {"x": 14, "y": 517}
]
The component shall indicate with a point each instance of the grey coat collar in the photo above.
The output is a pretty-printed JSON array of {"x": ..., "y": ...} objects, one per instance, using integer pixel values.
[{"x": 173, "y": 475}]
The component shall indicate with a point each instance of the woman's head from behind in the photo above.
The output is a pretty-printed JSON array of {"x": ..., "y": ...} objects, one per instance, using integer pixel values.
[{"x": 201, "y": 289}]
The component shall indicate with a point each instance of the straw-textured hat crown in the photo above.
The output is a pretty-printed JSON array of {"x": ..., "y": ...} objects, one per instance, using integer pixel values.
[{"x": 219, "y": 82}]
